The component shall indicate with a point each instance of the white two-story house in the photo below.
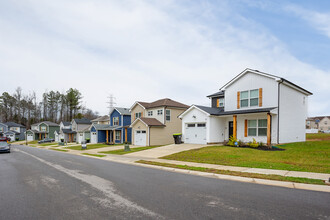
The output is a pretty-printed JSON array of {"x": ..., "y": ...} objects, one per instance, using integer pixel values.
[
  {"x": 155, "y": 123},
  {"x": 254, "y": 104}
]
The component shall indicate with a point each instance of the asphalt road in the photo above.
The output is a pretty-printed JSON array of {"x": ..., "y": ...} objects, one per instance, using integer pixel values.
[{"x": 43, "y": 184}]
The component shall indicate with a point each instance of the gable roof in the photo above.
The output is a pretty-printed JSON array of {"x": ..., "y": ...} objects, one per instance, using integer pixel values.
[
  {"x": 277, "y": 78},
  {"x": 66, "y": 123},
  {"x": 103, "y": 127},
  {"x": 13, "y": 124},
  {"x": 49, "y": 123},
  {"x": 220, "y": 93},
  {"x": 123, "y": 111},
  {"x": 11, "y": 132},
  {"x": 68, "y": 131},
  {"x": 82, "y": 121},
  {"x": 149, "y": 122},
  {"x": 317, "y": 118},
  {"x": 161, "y": 103},
  {"x": 102, "y": 118}
]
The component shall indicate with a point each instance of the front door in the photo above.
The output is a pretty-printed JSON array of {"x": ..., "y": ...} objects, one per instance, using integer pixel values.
[{"x": 231, "y": 129}]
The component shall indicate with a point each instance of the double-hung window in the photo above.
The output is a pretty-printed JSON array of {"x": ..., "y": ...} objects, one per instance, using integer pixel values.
[
  {"x": 116, "y": 121},
  {"x": 150, "y": 113},
  {"x": 138, "y": 115},
  {"x": 118, "y": 134},
  {"x": 249, "y": 98},
  {"x": 168, "y": 115},
  {"x": 160, "y": 112},
  {"x": 257, "y": 127},
  {"x": 220, "y": 102}
]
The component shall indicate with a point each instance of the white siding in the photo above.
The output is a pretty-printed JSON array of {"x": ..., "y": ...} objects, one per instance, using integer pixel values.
[
  {"x": 194, "y": 116},
  {"x": 293, "y": 114},
  {"x": 251, "y": 81},
  {"x": 216, "y": 130}
]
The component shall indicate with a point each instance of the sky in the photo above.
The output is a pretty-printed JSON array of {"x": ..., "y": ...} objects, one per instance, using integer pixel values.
[{"x": 145, "y": 50}]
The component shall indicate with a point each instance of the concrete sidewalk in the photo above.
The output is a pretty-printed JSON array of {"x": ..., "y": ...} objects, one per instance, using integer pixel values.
[{"x": 321, "y": 176}]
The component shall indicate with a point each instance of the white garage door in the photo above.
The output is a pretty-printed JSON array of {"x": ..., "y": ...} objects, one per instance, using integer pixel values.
[
  {"x": 140, "y": 138},
  {"x": 93, "y": 138},
  {"x": 195, "y": 133},
  {"x": 30, "y": 137}
]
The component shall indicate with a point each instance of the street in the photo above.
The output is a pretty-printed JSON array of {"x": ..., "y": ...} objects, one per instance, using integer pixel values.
[{"x": 44, "y": 184}]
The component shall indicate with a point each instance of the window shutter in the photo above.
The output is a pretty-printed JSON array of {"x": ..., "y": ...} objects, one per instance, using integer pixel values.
[
  {"x": 260, "y": 97},
  {"x": 218, "y": 102},
  {"x": 238, "y": 99},
  {"x": 141, "y": 114},
  {"x": 245, "y": 128}
]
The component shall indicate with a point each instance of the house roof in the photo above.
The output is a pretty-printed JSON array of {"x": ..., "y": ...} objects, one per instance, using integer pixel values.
[
  {"x": 82, "y": 121},
  {"x": 122, "y": 111},
  {"x": 66, "y": 123},
  {"x": 102, "y": 118},
  {"x": 13, "y": 124},
  {"x": 104, "y": 127},
  {"x": 49, "y": 123},
  {"x": 162, "y": 103},
  {"x": 277, "y": 78},
  {"x": 151, "y": 122},
  {"x": 220, "y": 112},
  {"x": 12, "y": 132},
  {"x": 68, "y": 131},
  {"x": 317, "y": 118},
  {"x": 220, "y": 93}
]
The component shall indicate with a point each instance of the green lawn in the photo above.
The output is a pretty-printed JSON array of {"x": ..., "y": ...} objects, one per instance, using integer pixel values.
[
  {"x": 48, "y": 144},
  {"x": 318, "y": 136},
  {"x": 310, "y": 156},
  {"x": 91, "y": 146},
  {"x": 236, "y": 173},
  {"x": 122, "y": 151},
  {"x": 58, "y": 149}
]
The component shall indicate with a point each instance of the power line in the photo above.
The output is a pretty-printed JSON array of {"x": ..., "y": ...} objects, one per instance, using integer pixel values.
[{"x": 111, "y": 102}]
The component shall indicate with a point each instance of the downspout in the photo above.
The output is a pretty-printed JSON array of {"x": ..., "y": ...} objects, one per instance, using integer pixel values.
[
  {"x": 278, "y": 109},
  {"x": 149, "y": 135}
]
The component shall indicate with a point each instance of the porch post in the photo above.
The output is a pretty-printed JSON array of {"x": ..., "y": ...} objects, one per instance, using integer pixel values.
[
  {"x": 235, "y": 126},
  {"x": 107, "y": 136},
  {"x": 125, "y": 134},
  {"x": 39, "y": 136},
  {"x": 268, "y": 129}
]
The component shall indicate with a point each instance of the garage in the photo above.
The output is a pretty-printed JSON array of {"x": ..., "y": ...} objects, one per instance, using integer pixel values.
[
  {"x": 30, "y": 137},
  {"x": 93, "y": 138},
  {"x": 195, "y": 133},
  {"x": 140, "y": 138}
]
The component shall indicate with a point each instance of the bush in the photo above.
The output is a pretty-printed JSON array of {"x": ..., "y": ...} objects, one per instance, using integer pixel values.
[
  {"x": 87, "y": 140},
  {"x": 232, "y": 141},
  {"x": 260, "y": 144},
  {"x": 253, "y": 144},
  {"x": 17, "y": 138},
  {"x": 240, "y": 143},
  {"x": 62, "y": 139}
]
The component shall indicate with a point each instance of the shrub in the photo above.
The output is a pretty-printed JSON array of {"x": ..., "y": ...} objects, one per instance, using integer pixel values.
[
  {"x": 260, "y": 144},
  {"x": 62, "y": 139},
  {"x": 17, "y": 138},
  {"x": 87, "y": 140},
  {"x": 240, "y": 143},
  {"x": 232, "y": 141},
  {"x": 253, "y": 144}
]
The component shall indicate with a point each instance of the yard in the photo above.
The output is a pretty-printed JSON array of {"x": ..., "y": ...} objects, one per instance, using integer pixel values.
[
  {"x": 310, "y": 156},
  {"x": 122, "y": 151},
  {"x": 90, "y": 146}
]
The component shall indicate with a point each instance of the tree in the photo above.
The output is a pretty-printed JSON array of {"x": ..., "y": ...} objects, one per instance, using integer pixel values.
[{"x": 73, "y": 97}]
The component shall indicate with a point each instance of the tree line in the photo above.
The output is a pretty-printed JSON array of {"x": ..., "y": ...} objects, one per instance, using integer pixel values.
[{"x": 54, "y": 106}]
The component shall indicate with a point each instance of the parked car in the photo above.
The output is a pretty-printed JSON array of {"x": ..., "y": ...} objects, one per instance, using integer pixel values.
[
  {"x": 5, "y": 139},
  {"x": 4, "y": 147},
  {"x": 327, "y": 132},
  {"x": 46, "y": 140}
]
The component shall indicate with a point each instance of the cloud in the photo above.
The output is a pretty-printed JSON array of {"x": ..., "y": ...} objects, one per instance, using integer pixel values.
[
  {"x": 318, "y": 20},
  {"x": 141, "y": 50}
]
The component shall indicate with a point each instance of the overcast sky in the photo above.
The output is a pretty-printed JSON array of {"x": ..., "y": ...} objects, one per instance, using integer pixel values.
[{"x": 148, "y": 50}]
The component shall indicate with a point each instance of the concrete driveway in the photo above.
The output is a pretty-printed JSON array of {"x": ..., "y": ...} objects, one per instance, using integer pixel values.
[{"x": 165, "y": 150}]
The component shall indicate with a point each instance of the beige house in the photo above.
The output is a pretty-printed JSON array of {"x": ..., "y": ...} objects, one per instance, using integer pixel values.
[
  {"x": 103, "y": 120},
  {"x": 322, "y": 123},
  {"x": 155, "y": 123}
]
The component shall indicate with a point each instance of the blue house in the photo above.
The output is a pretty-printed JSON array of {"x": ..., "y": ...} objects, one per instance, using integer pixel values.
[{"x": 117, "y": 132}]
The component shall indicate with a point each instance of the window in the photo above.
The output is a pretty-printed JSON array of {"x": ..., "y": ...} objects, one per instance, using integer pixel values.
[
  {"x": 249, "y": 98},
  {"x": 150, "y": 113},
  {"x": 118, "y": 134},
  {"x": 138, "y": 115},
  {"x": 201, "y": 125},
  {"x": 257, "y": 127},
  {"x": 143, "y": 132},
  {"x": 220, "y": 102},
  {"x": 168, "y": 115},
  {"x": 43, "y": 128},
  {"x": 115, "y": 121},
  {"x": 160, "y": 112},
  {"x": 190, "y": 125}
]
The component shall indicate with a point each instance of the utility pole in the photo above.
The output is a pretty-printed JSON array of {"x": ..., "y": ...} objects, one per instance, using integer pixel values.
[{"x": 111, "y": 103}]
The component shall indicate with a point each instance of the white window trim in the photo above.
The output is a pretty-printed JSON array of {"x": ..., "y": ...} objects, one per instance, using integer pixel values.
[
  {"x": 160, "y": 112},
  {"x": 167, "y": 115},
  {"x": 248, "y": 98},
  {"x": 150, "y": 113},
  {"x": 257, "y": 128}
]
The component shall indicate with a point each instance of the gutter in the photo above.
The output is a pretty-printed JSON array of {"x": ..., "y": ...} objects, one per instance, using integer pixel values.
[{"x": 278, "y": 109}]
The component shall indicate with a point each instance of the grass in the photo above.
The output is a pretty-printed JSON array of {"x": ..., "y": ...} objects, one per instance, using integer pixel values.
[
  {"x": 58, "y": 149},
  {"x": 94, "y": 155},
  {"x": 89, "y": 147},
  {"x": 318, "y": 136},
  {"x": 32, "y": 142},
  {"x": 122, "y": 151},
  {"x": 48, "y": 144},
  {"x": 309, "y": 156},
  {"x": 236, "y": 173}
]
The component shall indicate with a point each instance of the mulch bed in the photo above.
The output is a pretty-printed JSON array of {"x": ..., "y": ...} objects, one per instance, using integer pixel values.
[{"x": 265, "y": 148}]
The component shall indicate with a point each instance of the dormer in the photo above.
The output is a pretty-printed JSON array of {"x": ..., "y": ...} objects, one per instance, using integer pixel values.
[{"x": 218, "y": 100}]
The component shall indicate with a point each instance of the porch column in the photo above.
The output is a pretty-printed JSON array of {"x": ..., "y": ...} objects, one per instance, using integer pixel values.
[
  {"x": 107, "y": 132},
  {"x": 39, "y": 136},
  {"x": 125, "y": 134},
  {"x": 235, "y": 126},
  {"x": 268, "y": 129}
]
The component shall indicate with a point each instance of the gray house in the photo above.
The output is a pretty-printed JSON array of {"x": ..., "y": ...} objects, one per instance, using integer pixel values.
[
  {"x": 81, "y": 129},
  {"x": 12, "y": 130}
]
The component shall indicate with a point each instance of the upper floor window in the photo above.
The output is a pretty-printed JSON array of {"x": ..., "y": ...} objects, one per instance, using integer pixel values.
[
  {"x": 168, "y": 115},
  {"x": 220, "y": 102},
  {"x": 249, "y": 98},
  {"x": 116, "y": 121},
  {"x": 43, "y": 128},
  {"x": 138, "y": 115},
  {"x": 160, "y": 112},
  {"x": 257, "y": 127},
  {"x": 150, "y": 113}
]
